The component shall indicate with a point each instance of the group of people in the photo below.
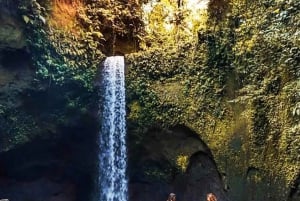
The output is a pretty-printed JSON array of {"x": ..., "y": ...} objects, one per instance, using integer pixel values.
[{"x": 209, "y": 197}]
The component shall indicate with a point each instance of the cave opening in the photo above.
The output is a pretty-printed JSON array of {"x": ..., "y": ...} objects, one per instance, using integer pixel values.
[{"x": 172, "y": 160}]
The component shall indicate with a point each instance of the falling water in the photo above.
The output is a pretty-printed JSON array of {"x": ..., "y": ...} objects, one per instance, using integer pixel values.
[{"x": 112, "y": 156}]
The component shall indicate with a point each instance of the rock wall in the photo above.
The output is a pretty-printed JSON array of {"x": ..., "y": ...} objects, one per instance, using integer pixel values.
[
  {"x": 238, "y": 88},
  {"x": 48, "y": 129},
  {"x": 217, "y": 114},
  {"x": 12, "y": 28}
]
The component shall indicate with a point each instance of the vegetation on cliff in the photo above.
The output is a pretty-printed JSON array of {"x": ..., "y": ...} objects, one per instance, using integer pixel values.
[
  {"x": 237, "y": 87},
  {"x": 233, "y": 77},
  {"x": 67, "y": 42},
  {"x": 67, "y": 39}
]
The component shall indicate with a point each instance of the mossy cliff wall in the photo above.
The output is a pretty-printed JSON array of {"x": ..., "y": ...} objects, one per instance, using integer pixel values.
[
  {"x": 238, "y": 88},
  {"x": 48, "y": 129},
  {"x": 236, "y": 85},
  {"x": 50, "y": 53}
]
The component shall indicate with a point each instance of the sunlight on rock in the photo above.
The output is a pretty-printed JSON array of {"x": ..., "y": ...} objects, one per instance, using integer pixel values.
[
  {"x": 169, "y": 22},
  {"x": 197, "y": 4},
  {"x": 182, "y": 162}
]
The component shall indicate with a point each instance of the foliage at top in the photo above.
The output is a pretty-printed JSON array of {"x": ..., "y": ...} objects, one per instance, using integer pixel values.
[
  {"x": 168, "y": 24},
  {"x": 63, "y": 14},
  {"x": 68, "y": 39},
  {"x": 112, "y": 20}
]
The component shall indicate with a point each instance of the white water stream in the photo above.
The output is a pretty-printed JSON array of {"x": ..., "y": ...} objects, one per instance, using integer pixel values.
[{"x": 112, "y": 156}]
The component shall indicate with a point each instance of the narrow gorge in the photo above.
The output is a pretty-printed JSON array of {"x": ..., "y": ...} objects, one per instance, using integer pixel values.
[{"x": 112, "y": 100}]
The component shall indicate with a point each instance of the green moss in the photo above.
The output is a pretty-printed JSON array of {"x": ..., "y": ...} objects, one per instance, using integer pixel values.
[
  {"x": 261, "y": 127},
  {"x": 235, "y": 85},
  {"x": 17, "y": 128},
  {"x": 236, "y": 88},
  {"x": 43, "y": 113},
  {"x": 182, "y": 162},
  {"x": 64, "y": 54}
]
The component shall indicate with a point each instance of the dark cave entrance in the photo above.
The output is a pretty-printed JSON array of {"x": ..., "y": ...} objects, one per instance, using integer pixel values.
[
  {"x": 62, "y": 168},
  {"x": 153, "y": 172}
]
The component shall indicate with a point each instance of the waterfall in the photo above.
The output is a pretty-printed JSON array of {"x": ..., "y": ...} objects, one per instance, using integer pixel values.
[{"x": 112, "y": 142}]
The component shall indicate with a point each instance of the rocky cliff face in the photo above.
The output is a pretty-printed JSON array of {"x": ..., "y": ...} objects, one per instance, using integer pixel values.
[
  {"x": 218, "y": 113},
  {"x": 45, "y": 153},
  {"x": 238, "y": 88},
  {"x": 12, "y": 28}
]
